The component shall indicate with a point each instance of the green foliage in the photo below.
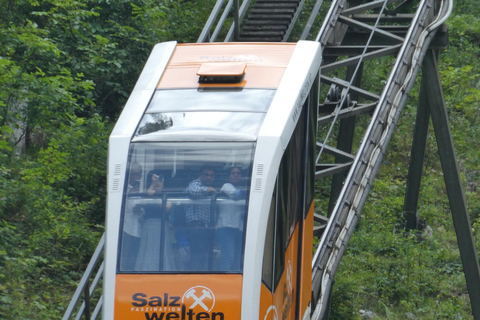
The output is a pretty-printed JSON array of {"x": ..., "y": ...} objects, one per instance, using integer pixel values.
[
  {"x": 174, "y": 20},
  {"x": 49, "y": 211},
  {"x": 393, "y": 273},
  {"x": 99, "y": 40}
]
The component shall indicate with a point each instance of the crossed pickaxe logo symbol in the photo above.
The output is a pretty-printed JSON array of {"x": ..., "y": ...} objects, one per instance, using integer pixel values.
[{"x": 198, "y": 300}]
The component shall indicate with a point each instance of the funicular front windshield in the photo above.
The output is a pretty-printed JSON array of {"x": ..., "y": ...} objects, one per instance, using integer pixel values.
[{"x": 185, "y": 207}]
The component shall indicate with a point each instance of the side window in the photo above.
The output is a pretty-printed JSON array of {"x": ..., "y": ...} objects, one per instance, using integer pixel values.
[
  {"x": 296, "y": 176},
  {"x": 281, "y": 237},
  {"x": 289, "y": 197},
  {"x": 267, "y": 269},
  {"x": 297, "y": 156},
  {"x": 310, "y": 112}
]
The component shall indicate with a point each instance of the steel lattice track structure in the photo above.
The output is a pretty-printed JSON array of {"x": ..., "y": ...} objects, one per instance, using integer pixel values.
[
  {"x": 386, "y": 33},
  {"x": 354, "y": 35}
]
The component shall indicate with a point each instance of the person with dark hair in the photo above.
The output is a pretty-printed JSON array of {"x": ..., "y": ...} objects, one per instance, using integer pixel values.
[
  {"x": 135, "y": 215},
  {"x": 150, "y": 252},
  {"x": 199, "y": 218},
  {"x": 201, "y": 188},
  {"x": 231, "y": 221}
]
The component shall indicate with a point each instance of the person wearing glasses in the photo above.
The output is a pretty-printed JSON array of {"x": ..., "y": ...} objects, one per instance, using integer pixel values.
[{"x": 231, "y": 221}]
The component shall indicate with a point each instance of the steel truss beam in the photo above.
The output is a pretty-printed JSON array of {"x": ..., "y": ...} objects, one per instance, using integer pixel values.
[{"x": 351, "y": 38}]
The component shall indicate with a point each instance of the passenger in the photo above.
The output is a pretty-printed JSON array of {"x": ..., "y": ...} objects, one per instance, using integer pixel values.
[
  {"x": 230, "y": 222},
  {"x": 156, "y": 185},
  {"x": 150, "y": 253},
  {"x": 132, "y": 223},
  {"x": 199, "y": 219}
]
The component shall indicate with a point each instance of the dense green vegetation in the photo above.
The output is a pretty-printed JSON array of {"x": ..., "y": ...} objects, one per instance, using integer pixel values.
[{"x": 66, "y": 70}]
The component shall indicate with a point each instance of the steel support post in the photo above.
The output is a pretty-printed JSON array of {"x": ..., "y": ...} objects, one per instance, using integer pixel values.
[
  {"x": 344, "y": 143},
  {"x": 417, "y": 157},
  {"x": 86, "y": 311},
  {"x": 237, "y": 20},
  {"x": 453, "y": 182}
]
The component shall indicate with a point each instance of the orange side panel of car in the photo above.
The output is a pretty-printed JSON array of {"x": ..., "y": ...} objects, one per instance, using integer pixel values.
[
  {"x": 267, "y": 310},
  {"x": 180, "y": 297},
  {"x": 284, "y": 297},
  {"x": 307, "y": 256},
  {"x": 281, "y": 305},
  {"x": 266, "y": 63}
]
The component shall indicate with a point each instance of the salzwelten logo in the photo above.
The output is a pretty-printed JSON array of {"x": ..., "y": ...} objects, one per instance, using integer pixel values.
[
  {"x": 199, "y": 296},
  {"x": 196, "y": 303}
]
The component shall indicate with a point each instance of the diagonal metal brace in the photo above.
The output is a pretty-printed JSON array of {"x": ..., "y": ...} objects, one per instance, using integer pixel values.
[{"x": 453, "y": 182}]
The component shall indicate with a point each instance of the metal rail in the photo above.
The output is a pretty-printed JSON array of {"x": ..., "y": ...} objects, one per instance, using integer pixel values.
[
  {"x": 88, "y": 290},
  {"x": 221, "y": 23}
]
